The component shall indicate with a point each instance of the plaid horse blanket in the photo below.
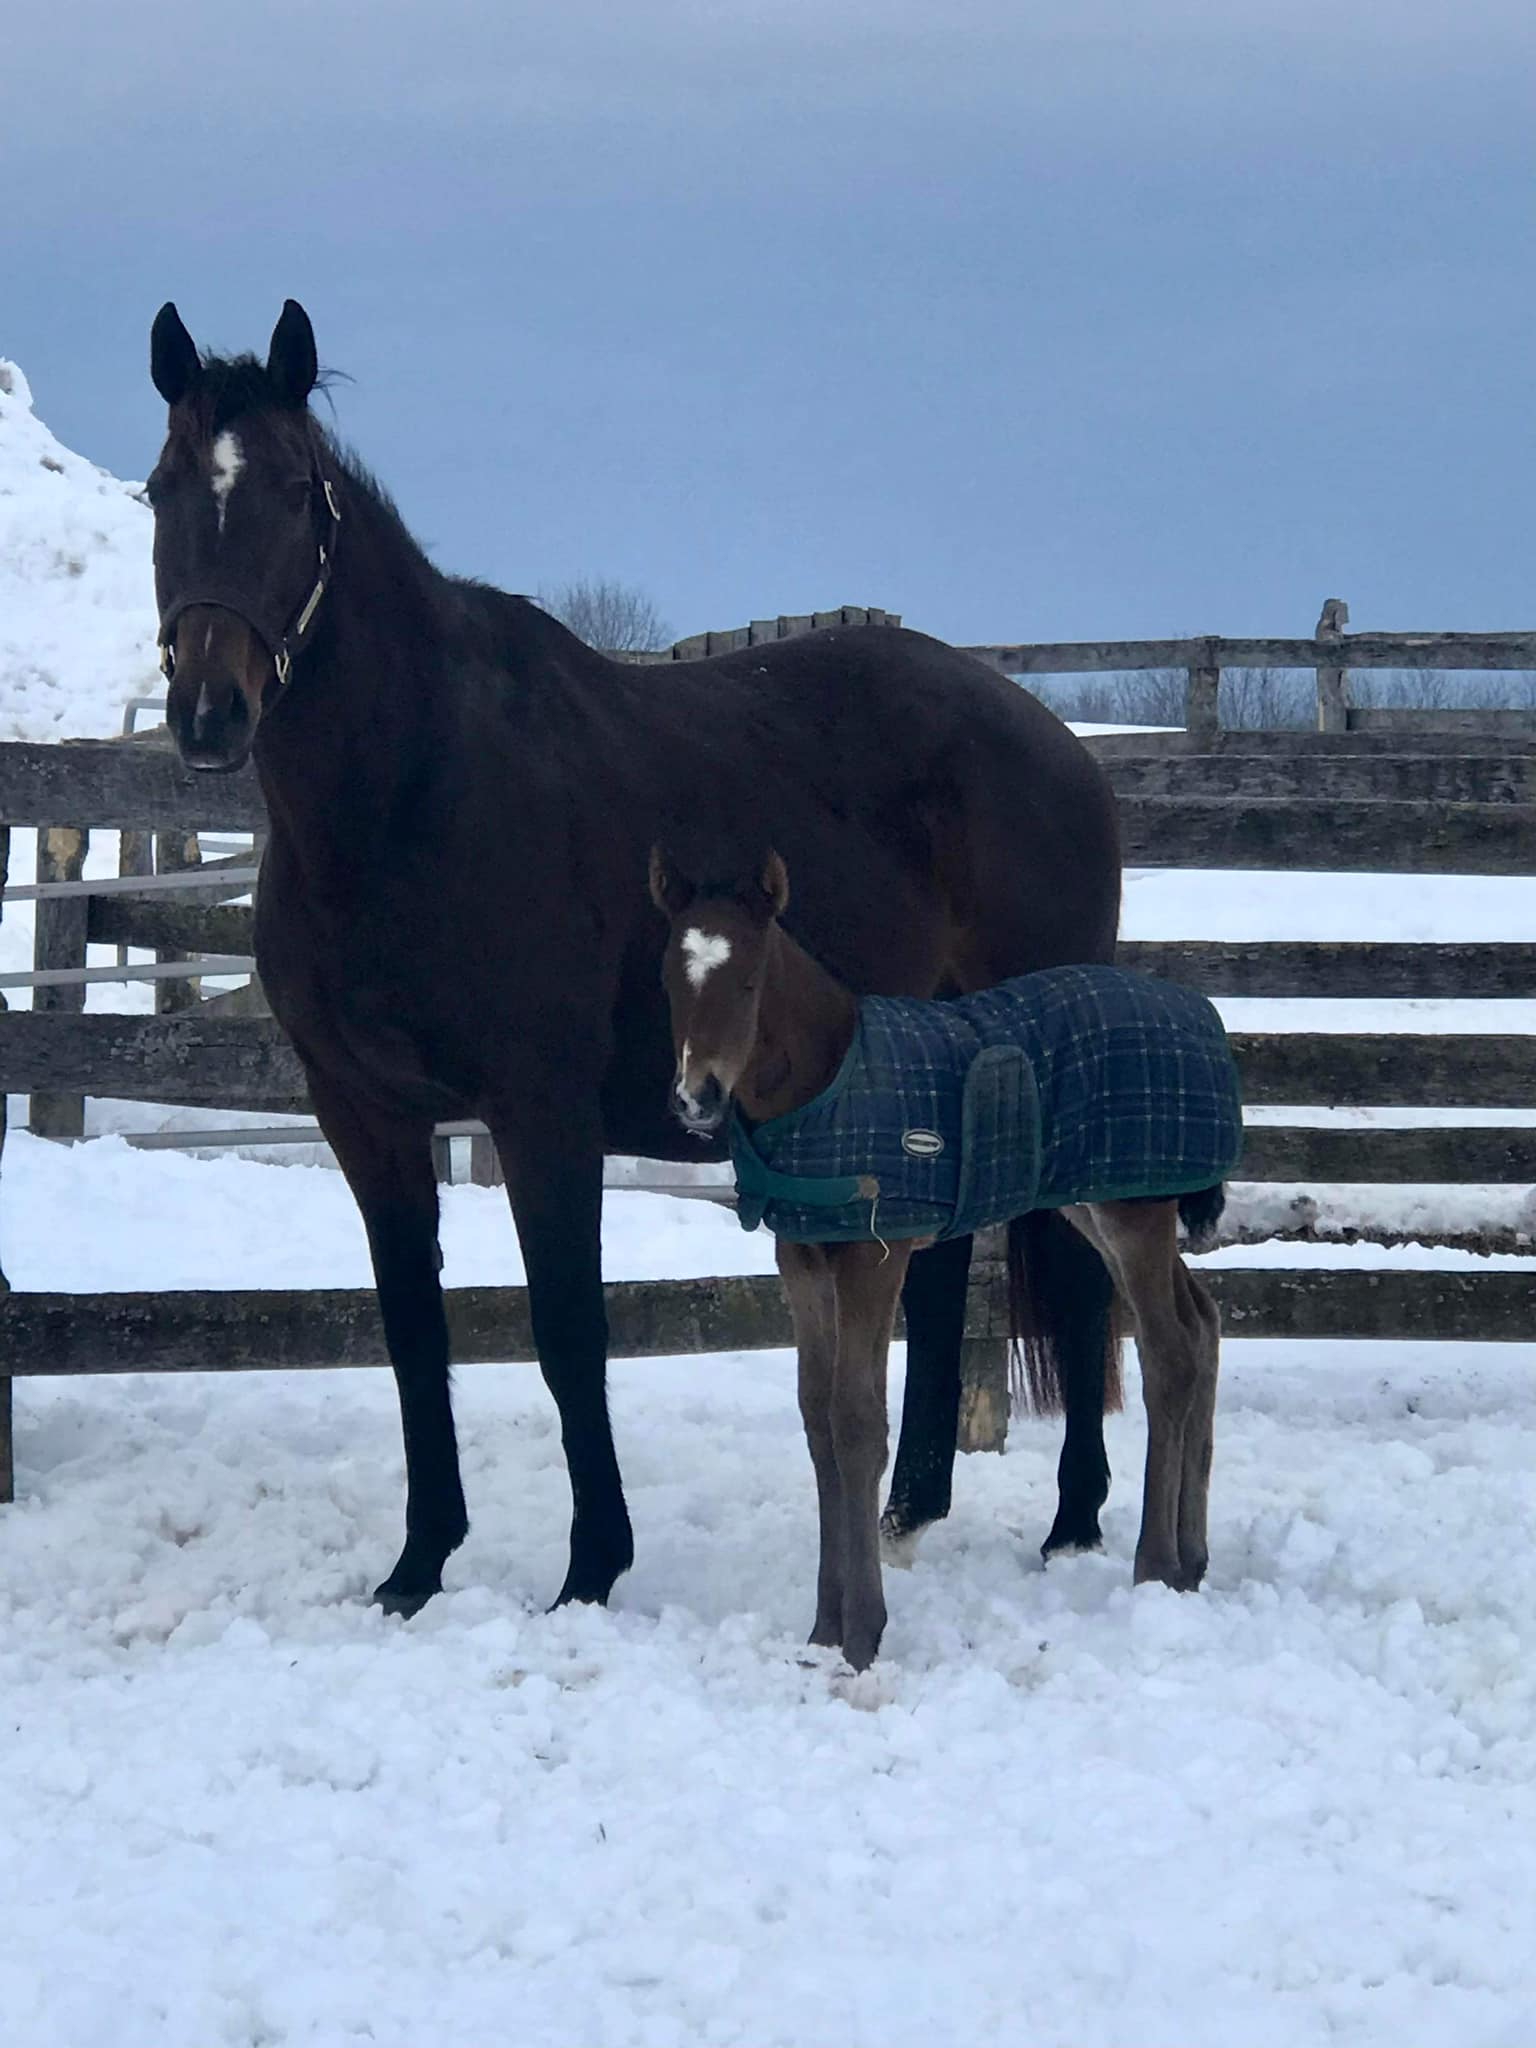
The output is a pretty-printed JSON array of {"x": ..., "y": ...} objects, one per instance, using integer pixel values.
[{"x": 1077, "y": 1084}]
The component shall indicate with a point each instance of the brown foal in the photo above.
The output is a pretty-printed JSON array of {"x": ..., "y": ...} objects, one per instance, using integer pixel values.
[{"x": 758, "y": 1023}]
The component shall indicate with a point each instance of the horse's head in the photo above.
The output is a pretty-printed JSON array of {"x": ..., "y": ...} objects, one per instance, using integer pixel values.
[
  {"x": 717, "y": 953},
  {"x": 246, "y": 517}
]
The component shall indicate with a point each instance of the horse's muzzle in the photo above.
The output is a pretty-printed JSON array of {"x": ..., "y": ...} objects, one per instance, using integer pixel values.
[{"x": 210, "y": 721}]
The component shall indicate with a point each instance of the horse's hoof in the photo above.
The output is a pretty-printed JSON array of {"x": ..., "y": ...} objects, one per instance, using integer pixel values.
[
  {"x": 402, "y": 1600},
  {"x": 898, "y": 1546},
  {"x": 1069, "y": 1539},
  {"x": 588, "y": 1588}
]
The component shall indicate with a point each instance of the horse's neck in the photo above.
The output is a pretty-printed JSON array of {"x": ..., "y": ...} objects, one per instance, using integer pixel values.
[
  {"x": 806, "y": 1021},
  {"x": 355, "y": 723}
]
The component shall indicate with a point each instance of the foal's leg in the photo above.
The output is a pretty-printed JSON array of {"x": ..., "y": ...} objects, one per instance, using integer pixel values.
[
  {"x": 868, "y": 1280},
  {"x": 1140, "y": 1241},
  {"x": 388, "y": 1167},
  {"x": 933, "y": 1301},
  {"x": 813, "y": 1304},
  {"x": 551, "y": 1151},
  {"x": 1198, "y": 1311}
]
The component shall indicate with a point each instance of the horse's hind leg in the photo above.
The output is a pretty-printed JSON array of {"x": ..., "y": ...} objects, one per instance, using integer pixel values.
[
  {"x": 1070, "y": 1295},
  {"x": 813, "y": 1304},
  {"x": 389, "y": 1170},
  {"x": 1178, "y": 1371},
  {"x": 550, "y": 1143},
  {"x": 867, "y": 1278},
  {"x": 933, "y": 1301}
]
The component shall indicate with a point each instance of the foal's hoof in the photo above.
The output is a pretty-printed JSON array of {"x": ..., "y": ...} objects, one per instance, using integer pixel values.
[{"x": 1177, "y": 1576}]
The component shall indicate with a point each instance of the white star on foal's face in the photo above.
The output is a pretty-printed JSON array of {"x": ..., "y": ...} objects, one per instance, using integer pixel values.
[{"x": 704, "y": 952}]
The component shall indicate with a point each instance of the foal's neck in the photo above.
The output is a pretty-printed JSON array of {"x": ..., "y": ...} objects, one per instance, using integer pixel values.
[{"x": 805, "y": 1025}]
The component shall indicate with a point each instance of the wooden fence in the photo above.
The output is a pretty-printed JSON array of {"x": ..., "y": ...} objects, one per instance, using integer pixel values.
[
  {"x": 1330, "y": 654},
  {"x": 1403, "y": 801}
]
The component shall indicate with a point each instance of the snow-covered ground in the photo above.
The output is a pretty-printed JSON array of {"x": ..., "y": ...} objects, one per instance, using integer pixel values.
[{"x": 239, "y": 1807}]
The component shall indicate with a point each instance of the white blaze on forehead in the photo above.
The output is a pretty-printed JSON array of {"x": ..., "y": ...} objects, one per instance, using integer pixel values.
[
  {"x": 228, "y": 461},
  {"x": 704, "y": 951}
]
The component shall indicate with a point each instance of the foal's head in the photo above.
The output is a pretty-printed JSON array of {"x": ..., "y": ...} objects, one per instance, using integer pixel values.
[
  {"x": 246, "y": 515},
  {"x": 717, "y": 952}
]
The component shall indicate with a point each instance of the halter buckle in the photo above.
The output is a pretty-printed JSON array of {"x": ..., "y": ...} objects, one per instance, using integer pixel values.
[
  {"x": 167, "y": 660},
  {"x": 331, "y": 501},
  {"x": 282, "y": 661}
]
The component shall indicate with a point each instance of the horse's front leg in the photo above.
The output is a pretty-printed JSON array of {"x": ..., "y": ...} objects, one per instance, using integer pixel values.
[
  {"x": 867, "y": 1279},
  {"x": 388, "y": 1166},
  {"x": 813, "y": 1304},
  {"x": 551, "y": 1150}
]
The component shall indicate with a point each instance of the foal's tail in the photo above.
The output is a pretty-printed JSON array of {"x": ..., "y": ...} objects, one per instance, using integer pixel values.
[
  {"x": 1060, "y": 1316},
  {"x": 1200, "y": 1213}
]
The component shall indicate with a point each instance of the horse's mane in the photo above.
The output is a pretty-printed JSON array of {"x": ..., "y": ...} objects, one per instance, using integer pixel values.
[{"x": 231, "y": 386}]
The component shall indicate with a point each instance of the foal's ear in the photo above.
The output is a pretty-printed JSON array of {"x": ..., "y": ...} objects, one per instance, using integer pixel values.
[
  {"x": 292, "y": 365},
  {"x": 670, "y": 891},
  {"x": 774, "y": 883},
  {"x": 173, "y": 362}
]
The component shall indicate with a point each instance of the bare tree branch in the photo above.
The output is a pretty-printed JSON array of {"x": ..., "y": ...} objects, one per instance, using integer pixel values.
[{"x": 616, "y": 617}]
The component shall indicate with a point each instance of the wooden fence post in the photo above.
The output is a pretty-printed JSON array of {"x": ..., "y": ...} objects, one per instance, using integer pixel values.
[
  {"x": 484, "y": 1163},
  {"x": 983, "y": 1394},
  {"x": 175, "y": 852},
  {"x": 60, "y": 941},
  {"x": 983, "y": 1423},
  {"x": 135, "y": 856},
  {"x": 1200, "y": 698},
  {"x": 1332, "y": 698},
  {"x": 7, "y": 1458}
]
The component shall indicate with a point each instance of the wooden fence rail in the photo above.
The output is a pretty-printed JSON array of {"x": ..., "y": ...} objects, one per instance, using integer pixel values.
[
  {"x": 197, "y": 1059},
  {"x": 316, "y": 1328}
]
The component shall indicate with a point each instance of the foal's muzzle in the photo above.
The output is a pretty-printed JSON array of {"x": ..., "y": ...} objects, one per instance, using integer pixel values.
[{"x": 702, "y": 1113}]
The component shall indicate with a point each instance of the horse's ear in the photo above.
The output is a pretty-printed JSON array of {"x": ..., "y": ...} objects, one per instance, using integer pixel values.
[
  {"x": 671, "y": 891},
  {"x": 173, "y": 362},
  {"x": 292, "y": 365},
  {"x": 774, "y": 883}
]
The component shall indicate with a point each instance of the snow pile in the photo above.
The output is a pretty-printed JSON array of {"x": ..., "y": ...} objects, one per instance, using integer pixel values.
[
  {"x": 242, "y": 1807},
  {"x": 77, "y": 602}
]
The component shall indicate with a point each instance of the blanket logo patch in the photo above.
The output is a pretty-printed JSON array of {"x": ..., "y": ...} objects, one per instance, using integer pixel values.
[{"x": 922, "y": 1144}]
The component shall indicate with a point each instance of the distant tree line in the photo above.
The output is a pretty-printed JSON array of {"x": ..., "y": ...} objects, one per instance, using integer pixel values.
[{"x": 1251, "y": 698}]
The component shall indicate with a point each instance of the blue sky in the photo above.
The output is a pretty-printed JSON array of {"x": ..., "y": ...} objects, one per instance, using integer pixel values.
[{"x": 1075, "y": 320}]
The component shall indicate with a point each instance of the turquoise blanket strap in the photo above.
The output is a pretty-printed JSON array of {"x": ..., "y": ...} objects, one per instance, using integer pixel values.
[{"x": 757, "y": 1184}]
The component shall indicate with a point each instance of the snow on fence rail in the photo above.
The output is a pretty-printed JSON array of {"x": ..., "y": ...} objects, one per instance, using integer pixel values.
[{"x": 1407, "y": 800}]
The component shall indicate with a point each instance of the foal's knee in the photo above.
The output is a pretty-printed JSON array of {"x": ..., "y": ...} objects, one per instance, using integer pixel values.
[{"x": 859, "y": 1431}]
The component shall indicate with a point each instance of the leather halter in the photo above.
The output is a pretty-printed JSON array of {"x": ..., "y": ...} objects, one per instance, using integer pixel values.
[{"x": 287, "y": 640}]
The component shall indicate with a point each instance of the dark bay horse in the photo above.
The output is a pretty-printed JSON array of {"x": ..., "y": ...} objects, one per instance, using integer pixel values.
[
  {"x": 765, "y": 1035},
  {"x": 453, "y": 917}
]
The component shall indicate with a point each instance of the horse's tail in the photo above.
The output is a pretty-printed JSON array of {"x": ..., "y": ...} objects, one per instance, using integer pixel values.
[
  {"x": 1060, "y": 1315},
  {"x": 1200, "y": 1213}
]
